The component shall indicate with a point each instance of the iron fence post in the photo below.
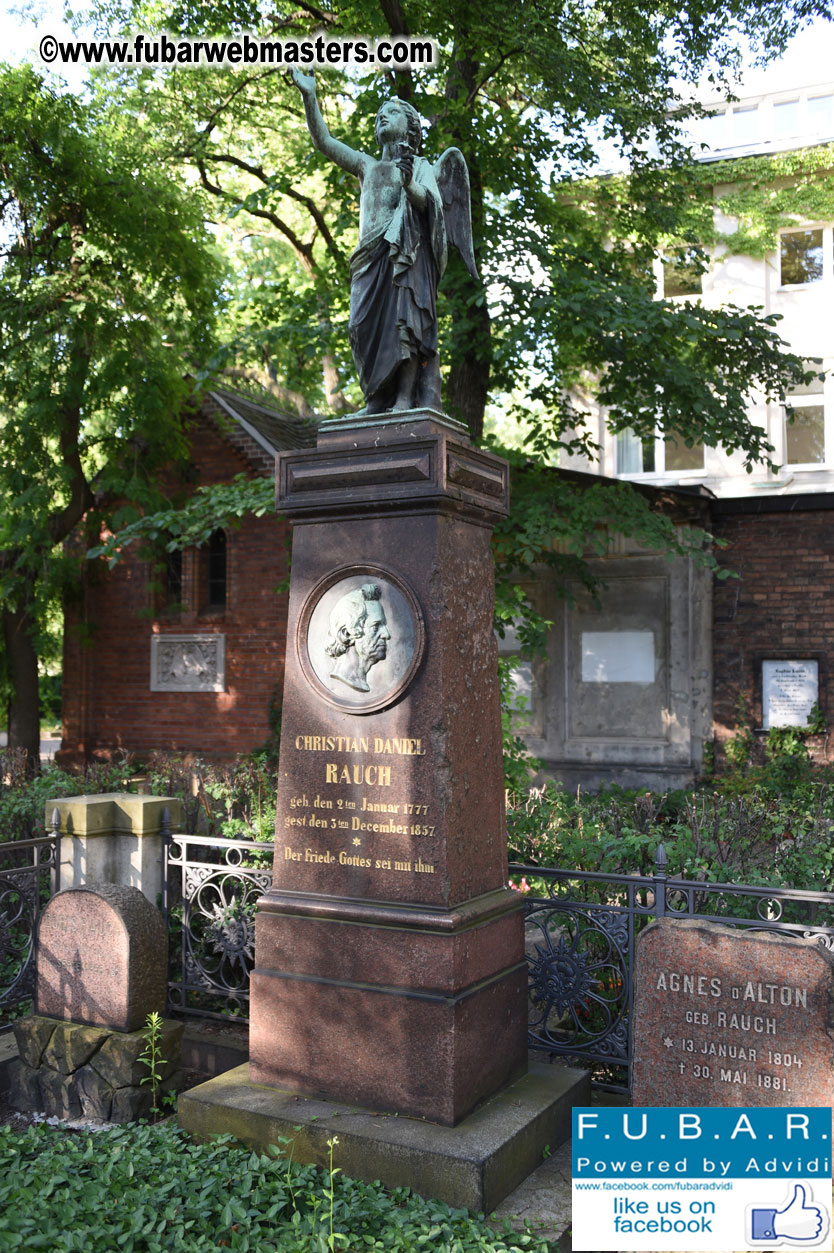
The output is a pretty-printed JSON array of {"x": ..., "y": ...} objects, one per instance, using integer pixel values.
[
  {"x": 661, "y": 878},
  {"x": 55, "y": 877},
  {"x": 165, "y": 833}
]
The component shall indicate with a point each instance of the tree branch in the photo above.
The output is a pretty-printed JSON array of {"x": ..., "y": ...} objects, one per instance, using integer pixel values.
[{"x": 303, "y": 250}]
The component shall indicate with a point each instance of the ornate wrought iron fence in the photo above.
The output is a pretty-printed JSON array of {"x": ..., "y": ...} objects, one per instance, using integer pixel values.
[
  {"x": 29, "y": 875},
  {"x": 581, "y": 929},
  {"x": 211, "y": 886}
]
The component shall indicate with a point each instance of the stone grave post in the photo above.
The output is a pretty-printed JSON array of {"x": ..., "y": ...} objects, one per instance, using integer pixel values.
[{"x": 390, "y": 973}]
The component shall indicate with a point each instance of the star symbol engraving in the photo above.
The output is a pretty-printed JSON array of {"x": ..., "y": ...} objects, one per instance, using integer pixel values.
[
  {"x": 668, "y": 1042},
  {"x": 356, "y": 841}
]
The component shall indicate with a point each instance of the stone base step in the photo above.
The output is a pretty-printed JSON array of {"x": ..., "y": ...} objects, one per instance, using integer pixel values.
[{"x": 474, "y": 1164}]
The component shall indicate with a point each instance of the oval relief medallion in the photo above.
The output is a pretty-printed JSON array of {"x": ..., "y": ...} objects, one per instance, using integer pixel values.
[{"x": 361, "y": 638}]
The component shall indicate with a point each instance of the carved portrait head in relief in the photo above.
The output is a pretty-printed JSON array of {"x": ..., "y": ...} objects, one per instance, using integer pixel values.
[{"x": 358, "y": 636}]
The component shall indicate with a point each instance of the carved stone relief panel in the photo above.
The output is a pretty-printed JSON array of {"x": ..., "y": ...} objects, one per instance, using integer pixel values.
[{"x": 188, "y": 663}]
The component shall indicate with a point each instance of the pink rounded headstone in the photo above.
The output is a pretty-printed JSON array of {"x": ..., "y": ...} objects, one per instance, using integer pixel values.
[{"x": 102, "y": 957}]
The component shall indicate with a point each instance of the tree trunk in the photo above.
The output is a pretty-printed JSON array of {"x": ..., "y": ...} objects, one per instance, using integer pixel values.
[
  {"x": 22, "y": 660},
  {"x": 468, "y": 381}
]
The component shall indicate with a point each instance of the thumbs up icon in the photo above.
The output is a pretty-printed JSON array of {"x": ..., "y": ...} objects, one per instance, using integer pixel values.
[{"x": 798, "y": 1222}]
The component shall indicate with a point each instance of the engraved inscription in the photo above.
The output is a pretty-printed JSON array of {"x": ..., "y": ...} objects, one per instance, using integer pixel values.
[
  {"x": 731, "y": 1017},
  {"x": 742, "y": 1020}
]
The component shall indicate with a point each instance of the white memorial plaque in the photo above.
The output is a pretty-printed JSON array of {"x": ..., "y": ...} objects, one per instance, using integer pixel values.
[
  {"x": 618, "y": 657},
  {"x": 790, "y": 689}
]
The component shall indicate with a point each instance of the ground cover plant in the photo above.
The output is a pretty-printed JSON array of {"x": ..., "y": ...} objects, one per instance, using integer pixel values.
[{"x": 146, "y": 1189}]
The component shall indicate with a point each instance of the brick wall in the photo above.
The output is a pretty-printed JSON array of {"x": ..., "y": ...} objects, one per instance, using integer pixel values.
[
  {"x": 108, "y": 704},
  {"x": 780, "y": 607}
]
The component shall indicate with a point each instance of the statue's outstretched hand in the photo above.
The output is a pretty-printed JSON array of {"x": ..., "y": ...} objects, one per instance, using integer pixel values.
[{"x": 306, "y": 83}]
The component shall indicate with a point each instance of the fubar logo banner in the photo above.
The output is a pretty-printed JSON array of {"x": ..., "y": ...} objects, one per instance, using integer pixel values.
[{"x": 701, "y": 1179}]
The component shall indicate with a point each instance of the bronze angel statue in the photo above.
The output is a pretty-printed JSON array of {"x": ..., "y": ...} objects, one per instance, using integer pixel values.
[{"x": 409, "y": 212}]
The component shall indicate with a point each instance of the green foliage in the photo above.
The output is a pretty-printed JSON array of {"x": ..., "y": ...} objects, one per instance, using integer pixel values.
[
  {"x": 235, "y": 800},
  {"x": 777, "y": 832},
  {"x": 567, "y": 297},
  {"x": 761, "y": 195},
  {"x": 107, "y": 289},
  {"x": 739, "y": 748},
  {"x": 23, "y": 799},
  {"x": 149, "y": 1189},
  {"x": 211, "y": 506},
  {"x": 152, "y": 1057}
]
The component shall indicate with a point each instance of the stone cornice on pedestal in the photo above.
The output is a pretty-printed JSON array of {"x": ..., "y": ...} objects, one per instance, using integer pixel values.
[{"x": 416, "y": 462}]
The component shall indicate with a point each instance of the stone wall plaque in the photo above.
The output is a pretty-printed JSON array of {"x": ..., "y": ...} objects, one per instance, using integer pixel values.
[
  {"x": 789, "y": 691},
  {"x": 725, "y": 1016},
  {"x": 102, "y": 957},
  {"x": 361, "y": 638},
  {"x": 188, "y": 663}
]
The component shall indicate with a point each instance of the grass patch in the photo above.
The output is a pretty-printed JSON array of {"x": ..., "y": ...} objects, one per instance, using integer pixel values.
[{"x": 146, "y": 1189}]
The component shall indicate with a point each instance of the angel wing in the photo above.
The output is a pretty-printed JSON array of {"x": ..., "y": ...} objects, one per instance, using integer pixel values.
[{"x": 453, "y": 183}]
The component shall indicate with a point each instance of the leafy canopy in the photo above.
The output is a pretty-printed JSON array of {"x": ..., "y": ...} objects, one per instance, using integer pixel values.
[{"x": 107, "y": 292}]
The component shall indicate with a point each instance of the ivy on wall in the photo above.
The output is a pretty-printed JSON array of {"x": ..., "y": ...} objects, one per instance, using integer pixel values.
[{"x": 760, "y": 195}]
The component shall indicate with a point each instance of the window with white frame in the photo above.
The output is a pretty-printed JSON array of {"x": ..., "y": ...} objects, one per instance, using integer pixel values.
[
  {"x": 665, "y": 454},
  {"x": 805, "y": 435},
  {"x": 821, "y": 113},
  {"x": 744, "y": 123},
  {"x": 798, "y": 115}
]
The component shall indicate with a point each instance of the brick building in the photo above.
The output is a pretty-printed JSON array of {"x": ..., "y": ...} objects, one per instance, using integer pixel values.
[
  {"x": 185, "y": 654},
  {"x": 668, "y": 661},
  {"x": 778, "y": 611}
]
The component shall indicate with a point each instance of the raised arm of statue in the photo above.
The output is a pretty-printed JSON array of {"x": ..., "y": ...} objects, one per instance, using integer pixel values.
[
  {"x": 348, "y": 158},
  {"x": 409, "y": 211}
]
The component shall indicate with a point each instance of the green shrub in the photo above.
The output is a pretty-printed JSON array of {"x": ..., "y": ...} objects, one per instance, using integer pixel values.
[
  {"x": 23, "y": 800},
  {"x": 777, "y": 831},
  {"x": 235, "y": 799},
  {"x": 146, "y": 1189}
]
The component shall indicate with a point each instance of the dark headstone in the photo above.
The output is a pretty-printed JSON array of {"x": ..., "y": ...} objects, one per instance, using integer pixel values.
[
  {"x": 725, "y": 1016},
  {"x": 102, "y": 957}
]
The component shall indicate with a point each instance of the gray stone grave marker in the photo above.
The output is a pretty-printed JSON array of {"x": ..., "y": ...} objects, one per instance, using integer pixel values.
[
  {"x": 725, "y": 1016},
  {"x": 102, "y": 957}
]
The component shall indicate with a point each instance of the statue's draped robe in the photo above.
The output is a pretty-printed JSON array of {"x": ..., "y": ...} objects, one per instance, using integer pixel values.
[{"x": 393, "y": 287}]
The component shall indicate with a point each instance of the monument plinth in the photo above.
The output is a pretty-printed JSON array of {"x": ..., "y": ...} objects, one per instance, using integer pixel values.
[{"x": 389, "y": 956}]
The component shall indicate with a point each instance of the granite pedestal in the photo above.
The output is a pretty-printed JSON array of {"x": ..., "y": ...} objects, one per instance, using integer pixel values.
[{"x": 389, "y": 952}]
